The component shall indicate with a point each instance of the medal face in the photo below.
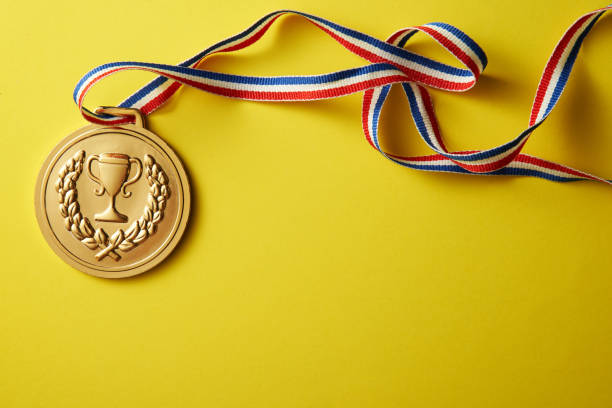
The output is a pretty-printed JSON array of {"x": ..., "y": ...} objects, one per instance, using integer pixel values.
[{"x": 112, "y": 202}]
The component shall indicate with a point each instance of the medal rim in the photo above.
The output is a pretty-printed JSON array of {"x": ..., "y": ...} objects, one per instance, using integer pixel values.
[{"x": 42, "y": 183}]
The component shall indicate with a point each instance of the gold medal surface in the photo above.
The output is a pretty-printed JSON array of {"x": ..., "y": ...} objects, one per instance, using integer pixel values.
[{"x": 113, "y": 201}]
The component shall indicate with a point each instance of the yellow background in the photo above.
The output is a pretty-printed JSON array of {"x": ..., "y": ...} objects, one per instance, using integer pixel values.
[{"x": 315, "y": 273}]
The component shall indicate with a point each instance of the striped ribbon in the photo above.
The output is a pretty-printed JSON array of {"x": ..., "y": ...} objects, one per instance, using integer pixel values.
[{"x": 389, "y": 64}]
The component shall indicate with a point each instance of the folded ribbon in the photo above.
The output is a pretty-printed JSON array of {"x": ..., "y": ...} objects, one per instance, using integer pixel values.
[{"x": 389, "y": 64}]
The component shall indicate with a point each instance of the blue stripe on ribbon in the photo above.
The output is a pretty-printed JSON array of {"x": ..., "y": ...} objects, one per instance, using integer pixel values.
[
  {"x": 157, "y": 82},
  {"x": 466, "y": 40},
  {"x": 405, "y": 39},
  {"x": 420, "y": 124},
  {"x": 567, "y": 68},
  {"x": 255, "y": 80},
  {"x": 394, "y": 50},
  {"x": 418, "y": 117},
  {"x": 376, "y": 114}
]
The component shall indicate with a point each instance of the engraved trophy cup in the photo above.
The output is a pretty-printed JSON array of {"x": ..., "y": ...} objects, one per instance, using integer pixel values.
[{"x": 114, "y": 169}]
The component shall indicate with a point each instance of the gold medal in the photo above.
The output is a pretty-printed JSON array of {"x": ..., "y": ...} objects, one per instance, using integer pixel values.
[{"x": 113, "y": 201}]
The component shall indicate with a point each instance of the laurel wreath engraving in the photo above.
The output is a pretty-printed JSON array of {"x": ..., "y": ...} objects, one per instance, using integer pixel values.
[{"x": 136, "y": 233}]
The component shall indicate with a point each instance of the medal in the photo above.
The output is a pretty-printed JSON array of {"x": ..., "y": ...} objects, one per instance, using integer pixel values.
[
  {"x": 113, "y": 201},
  {"x": 130, "y": 208}
]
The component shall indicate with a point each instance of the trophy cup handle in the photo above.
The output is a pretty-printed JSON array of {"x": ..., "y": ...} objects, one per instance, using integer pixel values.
[
  {"x": 127, "y": 194},
  {"x": 100, "y": 189}
]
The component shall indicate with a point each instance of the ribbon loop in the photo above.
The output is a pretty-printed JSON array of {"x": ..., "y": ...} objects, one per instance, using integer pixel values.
[{"x": 389, "y": 64}]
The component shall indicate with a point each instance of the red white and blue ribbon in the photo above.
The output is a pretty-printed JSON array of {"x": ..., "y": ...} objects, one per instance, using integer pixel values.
[{"x": 389, "y": 63}]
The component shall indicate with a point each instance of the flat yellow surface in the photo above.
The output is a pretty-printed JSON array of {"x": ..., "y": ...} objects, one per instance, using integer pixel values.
[{"x": 314, "y": 272}]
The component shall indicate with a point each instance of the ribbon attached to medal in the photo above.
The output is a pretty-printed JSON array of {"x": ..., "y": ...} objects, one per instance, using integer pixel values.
[{"x": 147, "y": 238}]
